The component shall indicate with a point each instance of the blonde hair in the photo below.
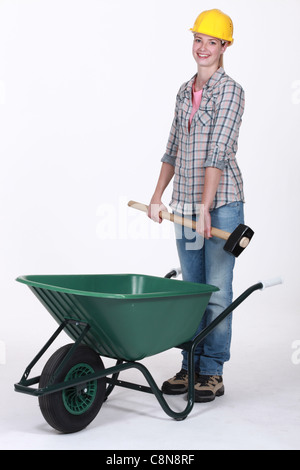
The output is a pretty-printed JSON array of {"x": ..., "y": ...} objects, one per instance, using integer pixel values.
[{"x": 221, "y": 61}]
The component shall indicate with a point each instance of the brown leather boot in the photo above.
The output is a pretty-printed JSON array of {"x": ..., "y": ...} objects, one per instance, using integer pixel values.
[{"x": 208, "y": 387}]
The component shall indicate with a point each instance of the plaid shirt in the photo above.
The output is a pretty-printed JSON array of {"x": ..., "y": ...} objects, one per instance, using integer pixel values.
[{"x": 211, "y": 142}]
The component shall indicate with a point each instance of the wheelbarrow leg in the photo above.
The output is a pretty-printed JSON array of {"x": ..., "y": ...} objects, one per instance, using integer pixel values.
[
  {"x": 178, "y": 416},
  {"x": 113, "y": 381}
]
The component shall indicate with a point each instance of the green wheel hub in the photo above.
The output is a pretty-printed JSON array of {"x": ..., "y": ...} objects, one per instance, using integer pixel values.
[{"x": 77, "y": 400}]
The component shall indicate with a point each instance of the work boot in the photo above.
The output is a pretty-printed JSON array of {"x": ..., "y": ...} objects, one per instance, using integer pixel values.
[
  {"x": 177, "y": 384},
  {"x": 208, "y": 387}
]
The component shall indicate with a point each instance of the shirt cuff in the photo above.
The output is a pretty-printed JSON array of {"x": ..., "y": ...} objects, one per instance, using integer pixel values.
[
  {"x": 168, "y": 159},
  {"x": 216, "y": 159}
]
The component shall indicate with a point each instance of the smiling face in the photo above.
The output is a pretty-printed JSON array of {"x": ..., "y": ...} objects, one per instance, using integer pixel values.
[{"x": 207, "y": 50}]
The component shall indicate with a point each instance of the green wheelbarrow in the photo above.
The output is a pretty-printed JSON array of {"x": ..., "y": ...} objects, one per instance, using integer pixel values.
[{"x": 125, "y": 317}]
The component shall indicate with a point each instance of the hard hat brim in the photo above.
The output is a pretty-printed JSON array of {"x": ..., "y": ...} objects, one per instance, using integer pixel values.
[{"x": 230, "y": 42}]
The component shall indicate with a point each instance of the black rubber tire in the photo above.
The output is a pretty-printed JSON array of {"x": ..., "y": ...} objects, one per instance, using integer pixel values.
[{"x": 54, "y": 406}]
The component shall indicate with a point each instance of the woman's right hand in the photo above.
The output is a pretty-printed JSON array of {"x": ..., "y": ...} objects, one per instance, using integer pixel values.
[{"x": 154, "y": 208}]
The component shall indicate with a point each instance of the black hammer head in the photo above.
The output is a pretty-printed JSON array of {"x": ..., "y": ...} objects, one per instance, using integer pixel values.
[{"x": 238, "y": 240}]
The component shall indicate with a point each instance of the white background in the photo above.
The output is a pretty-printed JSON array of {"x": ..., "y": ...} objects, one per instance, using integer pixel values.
[{"x": 87, "y": 94}]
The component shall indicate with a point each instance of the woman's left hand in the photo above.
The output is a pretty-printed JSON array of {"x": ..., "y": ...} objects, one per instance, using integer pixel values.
[{"x": 203, "y": 224}]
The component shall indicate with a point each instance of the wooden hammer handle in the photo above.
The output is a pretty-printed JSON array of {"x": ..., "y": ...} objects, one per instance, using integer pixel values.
[{"x": 177, "y": 219}]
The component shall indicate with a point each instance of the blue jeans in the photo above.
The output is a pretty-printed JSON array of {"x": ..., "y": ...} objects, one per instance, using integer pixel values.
[{"x": 207, "y": 262}]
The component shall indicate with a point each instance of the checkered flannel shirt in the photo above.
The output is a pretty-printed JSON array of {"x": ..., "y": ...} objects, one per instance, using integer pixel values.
[{"x": 210, "y": 142}]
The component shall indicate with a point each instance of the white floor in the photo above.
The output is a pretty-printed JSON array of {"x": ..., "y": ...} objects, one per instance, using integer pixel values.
[{"x": 260, "y": 410}]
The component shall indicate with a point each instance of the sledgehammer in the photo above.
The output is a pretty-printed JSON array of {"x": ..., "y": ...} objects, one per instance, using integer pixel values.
[{"x": 236, "y": 241}]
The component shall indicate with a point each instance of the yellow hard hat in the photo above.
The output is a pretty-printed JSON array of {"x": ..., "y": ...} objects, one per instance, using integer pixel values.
[{"x": 214, "y": 23}]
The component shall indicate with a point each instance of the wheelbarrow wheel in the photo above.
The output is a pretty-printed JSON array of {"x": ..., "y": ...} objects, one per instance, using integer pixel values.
[{"x": 72, "y": 409}]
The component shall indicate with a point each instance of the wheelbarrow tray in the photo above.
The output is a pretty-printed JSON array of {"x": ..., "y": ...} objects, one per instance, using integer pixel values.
[{"x": 131, "y": 316}]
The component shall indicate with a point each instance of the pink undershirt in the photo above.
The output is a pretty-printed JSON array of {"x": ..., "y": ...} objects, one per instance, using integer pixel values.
[{"x": 197, "y": 95}]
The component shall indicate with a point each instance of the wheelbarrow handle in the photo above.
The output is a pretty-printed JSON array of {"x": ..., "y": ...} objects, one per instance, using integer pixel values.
[
  {"x": 271, "y": 282},
  {"x": 177, "y": 219}
]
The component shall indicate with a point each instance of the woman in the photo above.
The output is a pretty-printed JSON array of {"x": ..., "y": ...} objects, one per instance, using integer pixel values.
[{"x": 201, "y": 156}]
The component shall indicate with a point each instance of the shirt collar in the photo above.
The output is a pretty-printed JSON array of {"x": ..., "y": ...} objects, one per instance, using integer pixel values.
[{"x": 213, "y": 80}]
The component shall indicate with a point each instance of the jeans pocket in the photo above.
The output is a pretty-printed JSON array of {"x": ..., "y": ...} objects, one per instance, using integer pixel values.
[{"x": 229, "y": 216}]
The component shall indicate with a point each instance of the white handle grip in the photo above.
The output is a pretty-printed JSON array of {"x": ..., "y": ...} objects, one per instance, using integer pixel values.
[
  {"x": 178, "y": 271},
  {"x": 271, "y": 282}
]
